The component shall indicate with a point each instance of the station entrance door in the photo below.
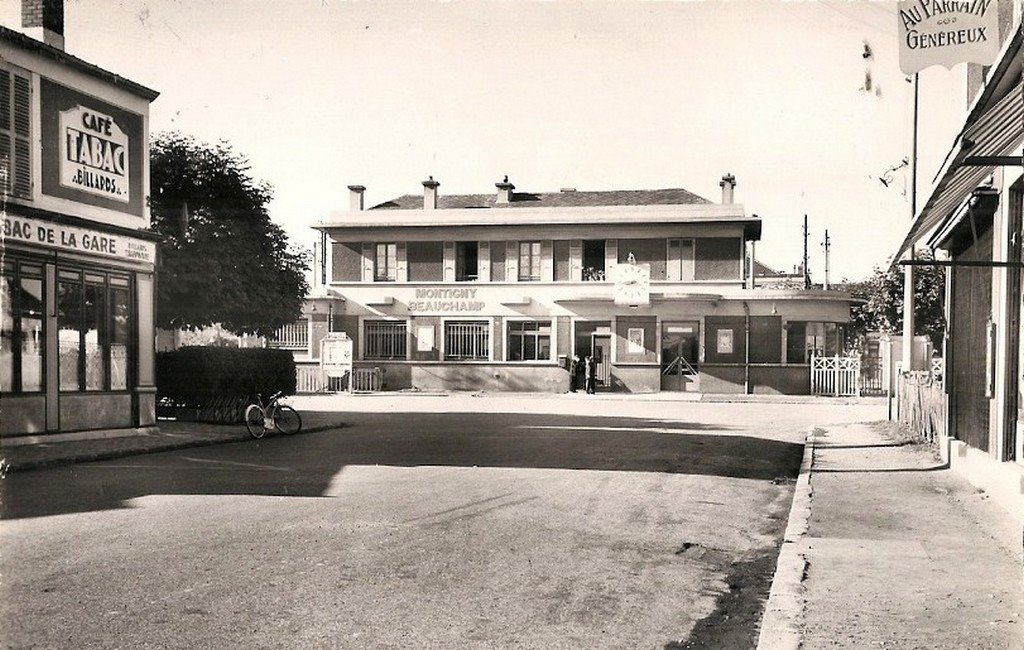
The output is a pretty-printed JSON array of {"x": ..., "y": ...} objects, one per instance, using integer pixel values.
[{"x": 680, "y": 354}]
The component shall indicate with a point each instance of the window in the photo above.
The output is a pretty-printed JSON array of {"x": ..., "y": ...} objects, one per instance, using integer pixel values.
[
  {"x": 593, "y": 260},
  {"x": 21, "y": 333},
  {"x": 467, "y": 340},
  {"x": 386, "y": 263},
  {"x": 529, "y": 341},
  {"x": 293, "y": 336},
  {"x": 466, "y": 261},
  {"x": 529, "y": 260},
  {"x": 384, "y": 339},
  {"x": 807, "y": 339},
  {"x": 15, "y": 132},
  {"x": 93, "y": 327}
]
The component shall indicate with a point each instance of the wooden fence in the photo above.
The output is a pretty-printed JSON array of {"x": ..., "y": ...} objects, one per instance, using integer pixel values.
[
  {"x": 836, "y": 376},
  {"x": 922, "y": 403}
]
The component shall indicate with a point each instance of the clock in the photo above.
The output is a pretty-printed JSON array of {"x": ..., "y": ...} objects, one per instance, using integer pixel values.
[{"x": 632, "y": 284}]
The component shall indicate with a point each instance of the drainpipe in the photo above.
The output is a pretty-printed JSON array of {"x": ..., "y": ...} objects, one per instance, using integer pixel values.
[{"x": 746, "y": 348}]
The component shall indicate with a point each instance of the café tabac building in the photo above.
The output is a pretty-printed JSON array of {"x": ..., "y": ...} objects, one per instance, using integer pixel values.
[
  {"x": 498, "y": 291},
  {"x": 78, "y": 258}
]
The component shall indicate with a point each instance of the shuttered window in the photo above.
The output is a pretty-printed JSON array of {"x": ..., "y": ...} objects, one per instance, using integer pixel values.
[{"x": 15, "y": 133}]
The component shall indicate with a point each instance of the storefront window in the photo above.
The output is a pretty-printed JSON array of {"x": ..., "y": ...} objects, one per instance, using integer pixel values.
[
  {"x": 529, "y": 341},
  {"x": 21, "y": 331},
  {"x": 805, "y": 340},
  {"x": 93, "y": 322}
]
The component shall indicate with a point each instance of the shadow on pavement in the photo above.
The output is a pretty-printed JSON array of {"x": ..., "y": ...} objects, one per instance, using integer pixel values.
[{"x": 304, "y": 465}]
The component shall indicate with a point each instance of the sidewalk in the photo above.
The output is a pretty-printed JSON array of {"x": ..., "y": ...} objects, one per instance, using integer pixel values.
[{"x": 898, "y": 552}]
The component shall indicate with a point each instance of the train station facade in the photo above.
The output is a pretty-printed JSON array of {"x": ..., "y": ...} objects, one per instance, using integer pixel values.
[{"x": 498, "y": 291}]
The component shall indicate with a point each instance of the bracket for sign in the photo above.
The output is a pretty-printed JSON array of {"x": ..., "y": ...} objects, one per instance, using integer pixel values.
[{"x": 993, "y": 161}]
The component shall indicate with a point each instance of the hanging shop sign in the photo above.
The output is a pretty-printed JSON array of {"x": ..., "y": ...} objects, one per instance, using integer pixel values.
[
  {"x": 947, "y": 32},
  {"x": 76, "y": 240},
  {"x": 93, "y": 154}
]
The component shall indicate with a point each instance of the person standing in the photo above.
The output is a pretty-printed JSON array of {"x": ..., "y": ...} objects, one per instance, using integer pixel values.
[
  {"x": 574, "y": 373},
  {"x": 590, "y": 372}
]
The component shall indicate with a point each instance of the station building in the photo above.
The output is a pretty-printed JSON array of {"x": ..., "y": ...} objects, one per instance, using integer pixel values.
[
  {"x": 78, "y": 258},
  {"x": 497, "y": 291}
]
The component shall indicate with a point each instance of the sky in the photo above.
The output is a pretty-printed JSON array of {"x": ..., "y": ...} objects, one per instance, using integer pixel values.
[{"x": 321, "y": 94}]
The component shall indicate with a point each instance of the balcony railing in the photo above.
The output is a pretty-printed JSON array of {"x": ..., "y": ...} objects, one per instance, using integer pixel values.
[{"x": 293, "y": 336}]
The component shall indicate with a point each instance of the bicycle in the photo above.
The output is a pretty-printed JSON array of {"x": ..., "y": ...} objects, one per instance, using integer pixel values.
[{"x": 260, "y": 417}]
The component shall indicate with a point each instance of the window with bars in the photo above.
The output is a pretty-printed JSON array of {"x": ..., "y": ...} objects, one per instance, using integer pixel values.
[
  {"x": 94, "y": 319},
  {"x": 529, "y": 260},
  {"x": 15, "y": 133},
  {"x": 383, "y": 339},
  {"x": 467, "y": 340},
  {"x": 293, "y": 336},
  {"x": 385, "y": 267},
  {"x": 528, "y": 341}
]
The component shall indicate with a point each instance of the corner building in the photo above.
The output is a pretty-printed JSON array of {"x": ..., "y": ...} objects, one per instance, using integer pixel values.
[
  {"x": 78, "y": 258},
  {"x": 497, "y": 291}
]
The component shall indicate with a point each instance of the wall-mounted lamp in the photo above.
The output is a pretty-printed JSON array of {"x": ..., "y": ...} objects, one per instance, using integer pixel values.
[{"x": 774, "y": 310}]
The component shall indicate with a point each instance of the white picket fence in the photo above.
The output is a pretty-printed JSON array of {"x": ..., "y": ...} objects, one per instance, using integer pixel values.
[{"x": 836, "y": 376}]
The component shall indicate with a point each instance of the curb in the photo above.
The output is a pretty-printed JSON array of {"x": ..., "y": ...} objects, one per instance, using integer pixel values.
[
  {"x": 113, "y": 454},
  {"x": 783, "y": 613}
]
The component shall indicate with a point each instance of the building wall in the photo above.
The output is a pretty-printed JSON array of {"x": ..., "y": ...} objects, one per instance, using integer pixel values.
[
  {"x": 346, "y": 262},
  {"x": 718, "y": 258}
]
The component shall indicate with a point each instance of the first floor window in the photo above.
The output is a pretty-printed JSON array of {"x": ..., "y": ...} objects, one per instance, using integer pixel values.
[
  {"x": 93, "y": 328},
  {"x": 529, "y": 341},
  {"x": 467, "y": 260},
  {"x": 384, "y": 339},
  {"x": 529, "y": 260},
  {"x": 386, "y": 264},
  {"x": 21, "y": 333},
  {"x": 467, "y": 340}
]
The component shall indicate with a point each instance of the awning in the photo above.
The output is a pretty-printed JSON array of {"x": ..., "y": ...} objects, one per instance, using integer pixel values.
[{"x": 995, "y": 127}]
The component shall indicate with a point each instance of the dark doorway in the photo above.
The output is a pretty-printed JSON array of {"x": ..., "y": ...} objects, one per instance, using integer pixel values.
[{"x": 680, "y": 353}]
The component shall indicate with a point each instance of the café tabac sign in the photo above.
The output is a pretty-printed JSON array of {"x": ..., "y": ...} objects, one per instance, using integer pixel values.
[
  {"x": 947, "y": 32},
  {"x": 93, "y": 154}
]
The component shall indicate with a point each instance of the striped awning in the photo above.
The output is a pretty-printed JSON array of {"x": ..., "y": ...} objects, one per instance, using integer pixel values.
[{"x": 995, "y": 127}]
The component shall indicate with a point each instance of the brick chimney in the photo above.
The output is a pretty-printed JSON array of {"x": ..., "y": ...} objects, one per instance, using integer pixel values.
[
  {"x": 430, "y": 194},
  {"x": 505, "y": 191},
  {"x": 355, "y": 197},
  {"x": 43, "y": 20},
  {"x": 728, "y": 184}
]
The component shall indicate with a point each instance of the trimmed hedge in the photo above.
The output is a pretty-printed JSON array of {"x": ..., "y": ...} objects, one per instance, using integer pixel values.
[{"x": 198, "y": 375}]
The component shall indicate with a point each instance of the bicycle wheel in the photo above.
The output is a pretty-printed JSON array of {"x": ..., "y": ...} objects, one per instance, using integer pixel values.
[
  {"x": 254, "y": 421},
  {"x": 287, "y": 420}
]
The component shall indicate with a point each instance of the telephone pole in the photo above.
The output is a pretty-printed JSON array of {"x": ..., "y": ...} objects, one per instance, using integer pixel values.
[
  {"x": 828, "y": 245},
  {"x": 807, "y": 274}
]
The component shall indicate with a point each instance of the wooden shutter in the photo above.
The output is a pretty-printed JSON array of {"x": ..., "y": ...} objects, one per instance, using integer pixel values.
[
  {"x": 15, "y": 134},
  {"x": 673, "y": 270},
  {"x": 368, "y": 261},
  {"x": 547, "y": 260},
  {"x": 687, "y": 250},
  {"x": 511, "y": 261},
  {"x": 449, "y": 262},
  {"x": 575, "y": 260},
  {"x": 401, "y": 263},
  {"x": 611, "y": 257},
  {"x": 483, "y": 261}
]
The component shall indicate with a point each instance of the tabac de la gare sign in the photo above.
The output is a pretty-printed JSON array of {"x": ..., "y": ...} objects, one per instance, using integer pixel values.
[
  {"x": 78, "y": 240},
  {"x": 947, "y": 32},
  {"x": 93, "y": 154}
]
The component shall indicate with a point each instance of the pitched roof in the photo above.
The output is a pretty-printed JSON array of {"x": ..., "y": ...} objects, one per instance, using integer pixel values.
[{"x": 564, "y": 199}]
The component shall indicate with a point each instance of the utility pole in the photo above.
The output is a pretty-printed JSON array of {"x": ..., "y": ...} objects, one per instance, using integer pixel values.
[
  {"x": 807, "y": 274},
  {"x": 908, "y": 270},
  {"x": 828, "y": 245}
]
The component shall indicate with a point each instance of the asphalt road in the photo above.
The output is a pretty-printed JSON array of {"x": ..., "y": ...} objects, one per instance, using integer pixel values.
[{"x": 424, "y": 522}]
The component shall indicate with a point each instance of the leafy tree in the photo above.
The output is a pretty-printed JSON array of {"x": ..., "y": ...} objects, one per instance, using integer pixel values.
[
  {"x": 882, "y": 310},
  {"x": 222, "y": 259}
]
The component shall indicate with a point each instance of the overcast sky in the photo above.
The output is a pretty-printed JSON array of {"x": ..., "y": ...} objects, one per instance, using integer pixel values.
[{"x": 321, "y": 94}]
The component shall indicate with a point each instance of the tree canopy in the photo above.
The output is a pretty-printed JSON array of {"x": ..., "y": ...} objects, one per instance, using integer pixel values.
[
  {"x": 882, "y": 310},
  {"x": 222, "y": 259}
]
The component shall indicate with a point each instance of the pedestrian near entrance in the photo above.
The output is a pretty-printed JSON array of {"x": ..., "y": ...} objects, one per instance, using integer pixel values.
[
  {"x": 590, "y": 371},
  {"x": 575, "y": 372}
]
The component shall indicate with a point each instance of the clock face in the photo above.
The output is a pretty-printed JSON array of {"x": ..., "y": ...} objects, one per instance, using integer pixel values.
[{"x": 632, "y": 285}]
